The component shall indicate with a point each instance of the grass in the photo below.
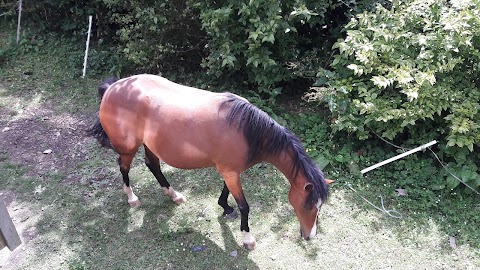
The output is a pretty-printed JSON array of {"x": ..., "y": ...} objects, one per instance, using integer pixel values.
[{"x": 72, "y": 214}]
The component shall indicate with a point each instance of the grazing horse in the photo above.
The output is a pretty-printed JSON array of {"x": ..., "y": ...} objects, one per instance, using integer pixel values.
[{"x": 190, "y": 128}]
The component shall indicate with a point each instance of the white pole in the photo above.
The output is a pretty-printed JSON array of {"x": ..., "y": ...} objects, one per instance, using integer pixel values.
[
  {"x": 19, "y": 16},
  {"x": 398, "y": 157},
  {"x": 87, "y": 46}
]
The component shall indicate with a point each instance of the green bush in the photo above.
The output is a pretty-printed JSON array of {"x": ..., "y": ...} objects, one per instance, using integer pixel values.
[
  {"x": 158, "y": 36},
  {"x": 146, "y": 36},
  {"x": 341, "y": 157},
  {"x": 263, "y": 43},
  {"x": 67, "y": 16},
  {"x": 411, "y": 71}
]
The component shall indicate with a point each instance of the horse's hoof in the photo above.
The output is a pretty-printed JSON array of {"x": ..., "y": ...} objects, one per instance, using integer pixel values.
[
  {"x": 250, "y": 246},
  {"x": 232, "y": 215},
  {"x": 249, "y": 241},
  {"x": 179, "y": 199},
  {"x": 135, "y": 203}
]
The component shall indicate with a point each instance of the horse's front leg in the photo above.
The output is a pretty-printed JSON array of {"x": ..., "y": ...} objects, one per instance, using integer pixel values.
[
  {"x": 228, "y": 211},
  {"x": 233, "y": 184}
]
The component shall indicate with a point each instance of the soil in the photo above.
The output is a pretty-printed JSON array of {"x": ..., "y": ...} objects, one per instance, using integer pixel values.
[
  {"x": 45, "y": 143},
  {"x": 43, "y": 140}
]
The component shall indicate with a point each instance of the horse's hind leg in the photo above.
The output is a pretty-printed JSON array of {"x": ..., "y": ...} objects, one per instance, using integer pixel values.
[
  {"x": 153, "y": 163},
  {"x": 125, "y": 161}
]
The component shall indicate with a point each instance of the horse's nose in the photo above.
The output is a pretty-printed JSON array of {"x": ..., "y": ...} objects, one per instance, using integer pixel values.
[{"x": 304, "y": 235}]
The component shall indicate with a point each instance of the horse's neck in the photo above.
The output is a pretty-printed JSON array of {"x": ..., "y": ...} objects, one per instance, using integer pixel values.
[{"x": 284, "y": 163}]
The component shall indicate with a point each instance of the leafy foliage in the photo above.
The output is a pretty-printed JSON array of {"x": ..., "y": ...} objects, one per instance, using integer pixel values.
[
  {"x": 157, "y": 36},
  {"x": 410, "y": 70},
  {"x": 262, "y": 42},
  {"x": 150, "y": 36}
]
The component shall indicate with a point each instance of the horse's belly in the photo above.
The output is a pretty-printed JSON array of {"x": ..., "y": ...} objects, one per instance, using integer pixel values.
[
  {"x": 184, "y": 157},
  {"x": 194, "y": 139},
  {"x": 190, "y": 164}
]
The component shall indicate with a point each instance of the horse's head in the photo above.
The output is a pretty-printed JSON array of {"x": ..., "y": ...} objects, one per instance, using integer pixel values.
[{"x": 306, "y": 210}]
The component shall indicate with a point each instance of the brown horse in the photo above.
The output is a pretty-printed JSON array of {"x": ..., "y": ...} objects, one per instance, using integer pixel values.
[{"x": 190, "y": 128}]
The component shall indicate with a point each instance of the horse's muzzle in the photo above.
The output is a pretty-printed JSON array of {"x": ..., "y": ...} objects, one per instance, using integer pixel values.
[{"x": 306, "y": 236}]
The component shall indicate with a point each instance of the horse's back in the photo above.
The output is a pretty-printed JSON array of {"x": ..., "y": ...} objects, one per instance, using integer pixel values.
[{"x": 182, "y": 125}]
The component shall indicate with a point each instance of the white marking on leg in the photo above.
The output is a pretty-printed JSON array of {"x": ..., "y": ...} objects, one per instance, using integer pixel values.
[
  {"x": 177, "y": 197},
  {"x": 248, "y": 240},
  {"x": 132, "y": 198}
]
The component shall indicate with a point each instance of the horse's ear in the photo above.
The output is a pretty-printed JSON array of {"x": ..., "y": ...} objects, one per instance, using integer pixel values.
[
  {"x": 309, "y": 187},
  {"x": 329, "y": 181}
]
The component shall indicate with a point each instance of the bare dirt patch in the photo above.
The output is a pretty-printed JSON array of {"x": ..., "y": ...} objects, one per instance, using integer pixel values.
[
  {"x": 44, "y": 141},
  {"x": 47, "y": 145}
]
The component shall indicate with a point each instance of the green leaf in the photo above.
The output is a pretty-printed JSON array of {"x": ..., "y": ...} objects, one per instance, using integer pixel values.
[
  {"x": 404, "y": 77},
  {"x": 229, "y": 60},
  {"x": 322, "y": 161},
  {"x": 320, "y": 81},
  {"x": 270, "y": 38},
  {"x": 452, "y": 182},
  {"x": 437, "y": 186},
  {"x": 451, "y": 141},
  {"x": 356, "y": 69},
  {"x": 253, "y": 35},
  {"x": 380, "y": 81},
  {"x": 470, "y": 147},
  {"x": 466, "y": 174},
  {"x": 477, "y": 182},
  {"x": 336, "y": 61}
]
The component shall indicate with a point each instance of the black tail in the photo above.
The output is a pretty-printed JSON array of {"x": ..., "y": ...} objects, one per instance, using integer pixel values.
[{"x": 97, "y": 130}]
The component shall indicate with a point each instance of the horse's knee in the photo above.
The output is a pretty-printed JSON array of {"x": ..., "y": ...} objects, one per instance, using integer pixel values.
[{"x": 244, "y": 208}]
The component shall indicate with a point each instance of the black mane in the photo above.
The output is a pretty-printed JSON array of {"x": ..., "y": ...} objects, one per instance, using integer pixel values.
[{"x": 265, "y": 137}]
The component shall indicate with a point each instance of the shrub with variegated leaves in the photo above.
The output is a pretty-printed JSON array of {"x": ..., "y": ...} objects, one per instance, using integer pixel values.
[{"x": 411, "y": 69}]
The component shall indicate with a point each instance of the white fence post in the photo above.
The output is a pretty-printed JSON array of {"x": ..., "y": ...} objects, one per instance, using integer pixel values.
[
  {"x": 19, "y": 16},
  {"x": 87, "y": 46},
  {"x": 422, "y": 147}
]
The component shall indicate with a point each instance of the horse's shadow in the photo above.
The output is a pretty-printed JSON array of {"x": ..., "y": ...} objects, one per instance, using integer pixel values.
[
  {"x": 194, "y": 247},
  {"x": 144, "y": 235}
]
